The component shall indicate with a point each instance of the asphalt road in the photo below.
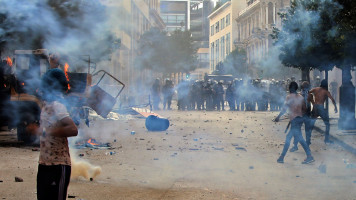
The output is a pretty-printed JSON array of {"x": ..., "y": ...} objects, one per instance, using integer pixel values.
[{"x": 202, "y": 155}]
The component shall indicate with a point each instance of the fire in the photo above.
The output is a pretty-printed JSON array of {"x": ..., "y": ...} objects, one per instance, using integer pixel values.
[
  {"x": 9, "y": 61},
  {"x": 66, "y": 66},
  {"x": 92, "y": 142}
]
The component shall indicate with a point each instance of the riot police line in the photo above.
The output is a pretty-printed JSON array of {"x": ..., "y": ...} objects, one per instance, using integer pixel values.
[{"x": 210, "y": 95}]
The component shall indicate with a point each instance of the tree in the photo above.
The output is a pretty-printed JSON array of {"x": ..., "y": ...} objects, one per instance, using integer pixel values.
[
  {"x": 346, "y": 19},
  {"x": 67, "y": 26},
  {"x": 309, "y": 37},
  {"x": 165, "y": 53},
  {"x": 236, "y": 62}
]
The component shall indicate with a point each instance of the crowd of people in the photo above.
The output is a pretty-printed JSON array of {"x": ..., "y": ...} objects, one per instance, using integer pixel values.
[{"x": 235, "y": 95}]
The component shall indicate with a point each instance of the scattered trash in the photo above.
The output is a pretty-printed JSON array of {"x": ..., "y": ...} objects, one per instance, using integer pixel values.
[
  {"x": 251, "y": 167},
  {"x": 322, "y": 168},
  {"x": 110, "y": 153},
  {"x": 18, "y": 179},
  {"x": 133, "y": 132},
  {"x": 348, "y": 164},
  {"x": 193, "y": 149},
  {"x": 195, "y": 139},
  {"x": 240, "y": 148},
  {"x": 155, "y": 158},
  {"x": 35, "y": 149},
  {"x": 354, "y": 182},
  {"x": 219, "y": 149},
  {"x": 242, "y": 130},
  {"x": 81, "y": 155}
]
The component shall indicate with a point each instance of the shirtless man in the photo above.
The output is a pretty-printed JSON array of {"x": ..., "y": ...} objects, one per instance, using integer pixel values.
[
  {"x": 296, "y": 105},
  {"x": 307, "y": 120},
  {"x": 320, "y": 96}
]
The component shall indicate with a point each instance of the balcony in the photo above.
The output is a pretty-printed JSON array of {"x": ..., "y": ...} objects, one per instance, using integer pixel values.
[{"x": 248, "y": 8}]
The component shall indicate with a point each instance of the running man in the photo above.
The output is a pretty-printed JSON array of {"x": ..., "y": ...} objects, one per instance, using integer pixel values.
[
  {"x": 296, "y": 105},
  {"x": 320, "y": 96}
]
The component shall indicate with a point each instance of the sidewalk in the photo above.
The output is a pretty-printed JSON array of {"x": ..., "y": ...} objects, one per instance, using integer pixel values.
[{"x": 344, "y": 138}]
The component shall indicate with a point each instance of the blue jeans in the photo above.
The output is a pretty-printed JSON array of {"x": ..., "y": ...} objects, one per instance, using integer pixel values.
[
  {"x": 296, "y": 132},
  {"x": 319, "y": 110},
  {"x": 309, "y": 124}
]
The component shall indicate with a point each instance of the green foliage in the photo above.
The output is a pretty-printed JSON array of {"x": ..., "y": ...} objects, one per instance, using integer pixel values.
[
  {"x": 66, "y": 26},
  {"x": 309, "y": 35},
  {"x": 236, "y": 62},
  {"x": 346, "y": 19},
  {"x": 166, "y": 53}
]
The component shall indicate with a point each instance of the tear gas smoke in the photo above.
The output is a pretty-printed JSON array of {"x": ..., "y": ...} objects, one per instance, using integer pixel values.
[{"x": 84, "y": 169}]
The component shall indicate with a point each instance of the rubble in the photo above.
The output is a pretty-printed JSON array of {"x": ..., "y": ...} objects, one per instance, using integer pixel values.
[{"x": 18, "y": 179}]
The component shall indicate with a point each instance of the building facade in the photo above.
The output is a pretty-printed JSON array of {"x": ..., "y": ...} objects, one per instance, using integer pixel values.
[
  {"x": 175, "y": 14},
  {"x": 223, "y": 31},
  {"x": 130, "y": 20},
  {"x": 254, "y": 26}
]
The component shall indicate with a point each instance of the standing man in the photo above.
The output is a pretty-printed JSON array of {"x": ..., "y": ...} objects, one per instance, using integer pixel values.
[
  {"x": 220, "y": 96},
  {"x": 156, "y": 94},
  {"x": 230, "y": 95},
  {"x": 333, "y": 88},
  {"x": 54, "y": 167},
  {"x": 320, "y": 96},
  {"x": 308, "y": 121},
  {"x": 168, "y": 91},
  {"x": 295, "y": 104}
]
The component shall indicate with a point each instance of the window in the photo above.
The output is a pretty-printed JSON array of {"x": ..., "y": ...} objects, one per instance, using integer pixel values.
[
  {"x": 270, "y": 13},
  {"x": 222, "y": 47},
  {"x": 227, "y": 20},
  {"x": 222, "y": 22},
  {"x": 228, "y": 48},
  {"x": 217, "y": 27},
  {"x": 211, "y": 30},
  {"x": 212, "y": 53},
  {"x": 217, "y": 51}
]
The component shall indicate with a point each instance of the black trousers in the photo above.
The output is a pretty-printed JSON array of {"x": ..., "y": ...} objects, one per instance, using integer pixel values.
[{"x": 52, "y": 182}]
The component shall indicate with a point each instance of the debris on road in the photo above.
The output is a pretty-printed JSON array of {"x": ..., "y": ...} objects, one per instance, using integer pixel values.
[
  {"x": 18, "y": 179},
  {"x": 322, "y": 168}
]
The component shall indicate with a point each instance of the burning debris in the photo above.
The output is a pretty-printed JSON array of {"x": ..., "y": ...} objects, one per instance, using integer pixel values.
[{"x": 91, "y": 143}]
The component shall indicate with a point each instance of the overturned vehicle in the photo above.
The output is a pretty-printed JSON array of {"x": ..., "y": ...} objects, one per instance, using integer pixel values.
[{"x": 20, "y": 95}]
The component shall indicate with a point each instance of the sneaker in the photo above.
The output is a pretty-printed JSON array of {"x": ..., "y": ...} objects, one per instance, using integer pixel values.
[
  {"x": 308, "y": 160},
  {"x": 328, "y": 142},
  {"x": 293, "y": 149},
  {"x": 280, "y": 159}
]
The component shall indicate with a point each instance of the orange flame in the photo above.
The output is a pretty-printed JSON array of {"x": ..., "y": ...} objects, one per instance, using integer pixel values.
[
  {"x": 92, "y": 142},
  {"x": 66, "y": 66},
  {"x": 9, "y": 61}
]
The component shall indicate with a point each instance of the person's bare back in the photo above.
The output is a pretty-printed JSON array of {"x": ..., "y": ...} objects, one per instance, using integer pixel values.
[
  {"x": 296, "y": 105},
  {"x": 320, "y": 95}
]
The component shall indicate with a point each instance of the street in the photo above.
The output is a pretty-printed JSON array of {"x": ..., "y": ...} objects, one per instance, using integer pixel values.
[{"x": 202, "y": 155}]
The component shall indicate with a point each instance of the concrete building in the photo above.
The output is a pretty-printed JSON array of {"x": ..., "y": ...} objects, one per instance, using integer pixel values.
[
  {"x": 130, "y": 19},
  {"x": 189, "y": 15},
  {"x": 223, "y": 31},
  {"x": 175, "y": 14},
  {"x": 254, "y": 26}
]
